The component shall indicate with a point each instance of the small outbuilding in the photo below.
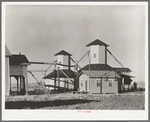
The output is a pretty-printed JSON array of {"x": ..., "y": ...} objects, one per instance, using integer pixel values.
[
  {"x": 18, "y": 70},
  {"x": 98, "y": 78}
]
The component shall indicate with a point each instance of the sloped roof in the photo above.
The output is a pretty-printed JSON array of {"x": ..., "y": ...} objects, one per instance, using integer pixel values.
[
  {"x": 124, "y": 75},
  {"x": 97, "y": 42},
  {"x": 53, "y": 74},
  {"x": 118, "y": 69},
  {"x": 18, "y": 59},
  {"x": 7, "y": 52},
  {"x": 98, "y": 74},
  {"x": 63, "y": 52},
  {"x": 97, "y": 67}
]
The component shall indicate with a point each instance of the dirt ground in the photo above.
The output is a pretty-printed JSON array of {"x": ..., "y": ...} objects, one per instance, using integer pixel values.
[{"x": 70, "y": 101}]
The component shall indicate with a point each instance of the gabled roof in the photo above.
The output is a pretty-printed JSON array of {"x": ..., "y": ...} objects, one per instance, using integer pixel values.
[
  {"x": 97, "y": 42},
  {"x": 97, "y": 67},
  {"x": 53, "y": 74},
  {"x": 18, "y": 59},
  {"x": 118, "y": 69},
  {"x": 63, "y": 52},
  {"x": 100, "y": 74},
  {"x": 7, "y": 52}
]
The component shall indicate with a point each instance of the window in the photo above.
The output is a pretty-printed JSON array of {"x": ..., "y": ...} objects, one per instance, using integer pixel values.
[
  {"x": 110, "y": 82},
  {"x": 94, "y": 55},
  {"x": 98, "y": 83}
]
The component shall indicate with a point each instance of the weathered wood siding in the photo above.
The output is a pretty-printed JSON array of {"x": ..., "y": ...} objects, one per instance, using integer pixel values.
[
  {"x": 93, "y": 86},
  {"x": 104, "y": 86},
  {"x": 84, "y": 83},
  {"x": 109, "y": 89}
]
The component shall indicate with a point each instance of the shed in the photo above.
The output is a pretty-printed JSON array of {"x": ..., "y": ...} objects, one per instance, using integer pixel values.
[
  {"x": 98, "y": 78},
  {"x": 19, "y": 72}
]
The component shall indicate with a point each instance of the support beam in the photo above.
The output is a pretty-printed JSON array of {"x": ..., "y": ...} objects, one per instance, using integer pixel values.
[
  {"x": 58, "y": 78},
  {"x": 67, "y": 84},
  {"x": 10, "y": 86},
  {"x": 55, "y": 83},
  {"x": 69, "y": 62},
  {"x": 17, "y": 86},
  {"x": 105, "y": 55},
  {"x": 26, "y": 84},
  {"x": 101, "y": 86},
  {"x": 20, "y": 84}
]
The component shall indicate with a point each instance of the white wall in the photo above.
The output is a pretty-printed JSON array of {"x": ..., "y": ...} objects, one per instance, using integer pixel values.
[
  {"x": 64, "y": 60},
  {"x": 59, "y": 60},
  {"x": 100, "y": 54},
  {"x": 82, "y": 80},
  {"x": 94, "y": 50},
  {"x": 7, "y": 77}
]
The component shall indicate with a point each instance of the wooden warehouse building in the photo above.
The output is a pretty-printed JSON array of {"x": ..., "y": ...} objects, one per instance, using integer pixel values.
[{"x": 98, "y": 76}]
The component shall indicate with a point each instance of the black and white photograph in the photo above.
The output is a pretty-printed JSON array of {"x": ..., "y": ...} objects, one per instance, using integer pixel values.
[{"x": 75, "y": 60}]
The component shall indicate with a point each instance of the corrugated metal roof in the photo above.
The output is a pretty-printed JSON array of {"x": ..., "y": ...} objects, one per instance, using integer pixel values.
[
  {"x": 97, "y": 67},
  {"x": 63, "y": 52},
  {"x": 7, "y": 52},
  {"x": 53, "y": 74},
  {"x": 18, "y": 59},
  {"x": 97, "y": 42},
  {"x": 118, "y": 69},
  {"x": 98, "y": 74}
]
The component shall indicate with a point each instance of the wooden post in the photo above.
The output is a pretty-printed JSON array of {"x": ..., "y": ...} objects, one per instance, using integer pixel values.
[
  {"x": 69, "y": 62},
  {"x": 67, "y": 85},
  {"x": 10, "y": 86},
  {"x": 101, "y": 86},
  {"x": 105, "y": 55},
  {"x": 58, "y": 78},
  {"x": 27, "y": 84},
  {"x": 55, "y": 82},
  {"x": 20, "y": 85},
  {"x": 17, "y": 85}
]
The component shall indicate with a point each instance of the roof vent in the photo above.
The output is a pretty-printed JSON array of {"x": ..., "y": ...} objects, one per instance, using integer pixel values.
[{"x": 19, "y": 53}]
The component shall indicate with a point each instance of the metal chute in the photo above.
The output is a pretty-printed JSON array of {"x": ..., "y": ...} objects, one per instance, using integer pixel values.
[{"x": 115, "y": 58}]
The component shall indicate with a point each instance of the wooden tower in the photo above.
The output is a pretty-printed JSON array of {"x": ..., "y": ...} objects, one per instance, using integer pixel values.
[
  {"x": 63, "y": 58},
  {"x": 98, "y": 52}
]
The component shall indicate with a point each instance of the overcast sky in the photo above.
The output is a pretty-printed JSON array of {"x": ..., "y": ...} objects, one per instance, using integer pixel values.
[{"x": 39, "y": 32}]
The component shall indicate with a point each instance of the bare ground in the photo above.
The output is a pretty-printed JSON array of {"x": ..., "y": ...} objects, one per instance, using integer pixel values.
[{"x": 70, "y": 101}]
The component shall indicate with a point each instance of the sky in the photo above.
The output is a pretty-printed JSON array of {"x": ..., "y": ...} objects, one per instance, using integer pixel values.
[{"x": 39, "y": 32}]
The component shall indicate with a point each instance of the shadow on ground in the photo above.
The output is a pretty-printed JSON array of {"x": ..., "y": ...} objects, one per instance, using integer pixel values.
[{"x": 42, "y": 104}]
